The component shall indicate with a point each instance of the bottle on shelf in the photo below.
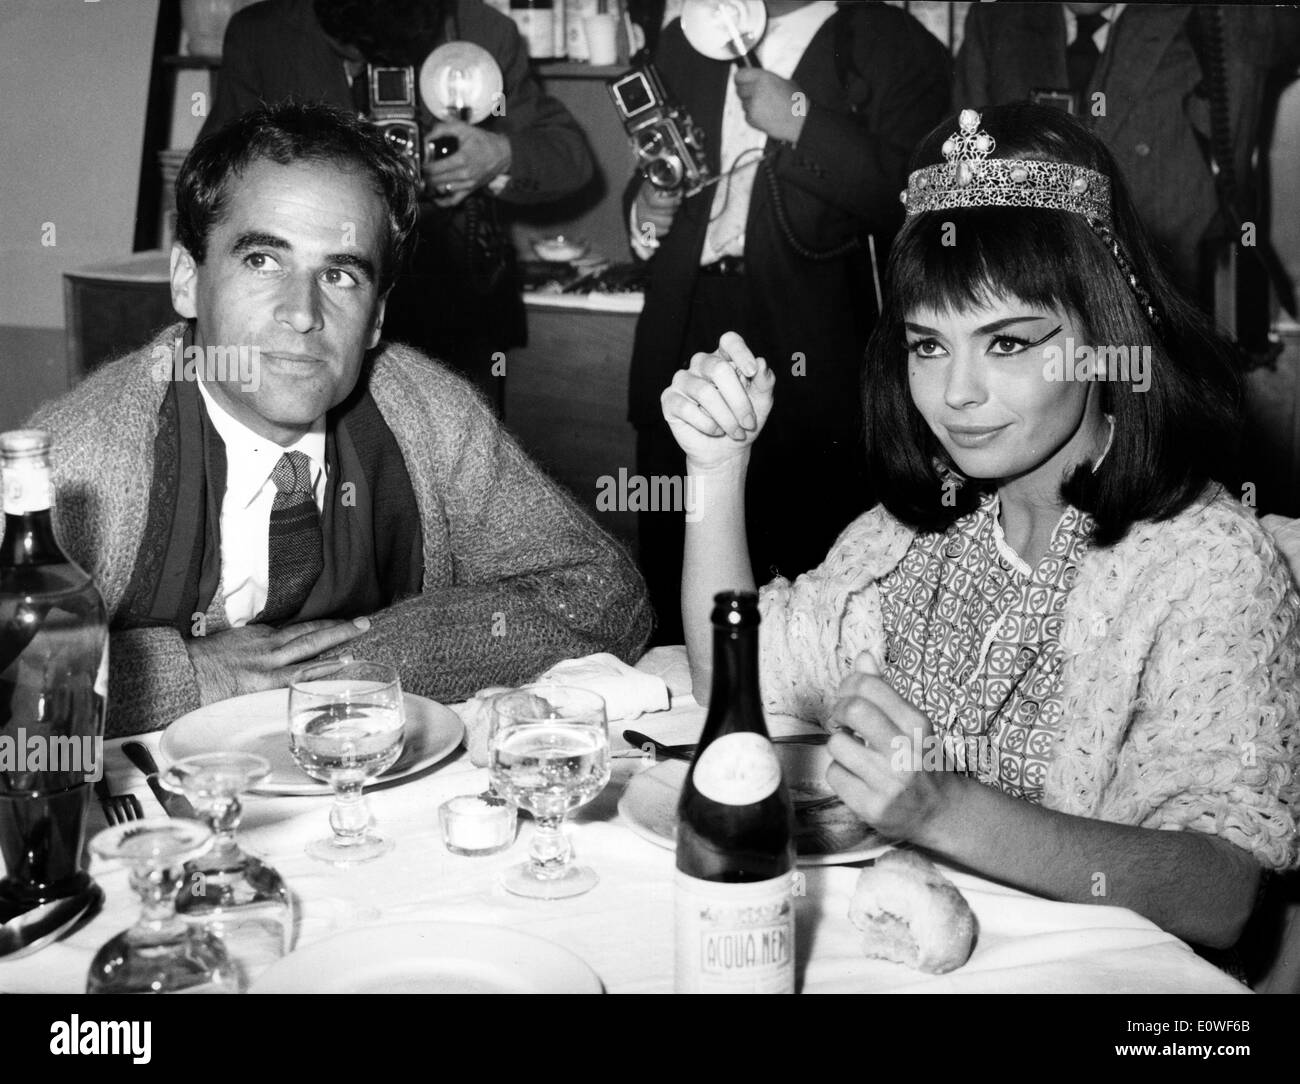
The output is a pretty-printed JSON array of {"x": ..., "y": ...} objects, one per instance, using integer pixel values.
[
  {"x": 536, "y": 22},
  {"x": 53, "y": 688},
  {"x": 734, "y": 885}
]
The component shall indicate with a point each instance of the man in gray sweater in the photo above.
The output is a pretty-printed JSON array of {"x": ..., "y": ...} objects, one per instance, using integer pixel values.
[{"x": 266, "y": 484}]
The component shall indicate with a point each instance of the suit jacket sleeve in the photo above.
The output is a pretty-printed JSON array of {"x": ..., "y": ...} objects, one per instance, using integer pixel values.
[
  {"x": 98, "y": 440},
  {"x": 535, "y": 580},
  {"x": 857, "y": 161},
  {"x": 549, "y": 153},
  {"x": 151, "y": 681}
]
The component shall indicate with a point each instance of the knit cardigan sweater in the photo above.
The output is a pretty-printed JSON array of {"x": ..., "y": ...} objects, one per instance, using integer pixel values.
[
  {"x": 516, "y": 575},
  {"x": 1179, "y": 687}
]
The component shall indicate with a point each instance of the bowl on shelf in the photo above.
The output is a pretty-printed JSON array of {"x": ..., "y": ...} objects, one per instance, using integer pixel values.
[{"x": 559, "y": 249}]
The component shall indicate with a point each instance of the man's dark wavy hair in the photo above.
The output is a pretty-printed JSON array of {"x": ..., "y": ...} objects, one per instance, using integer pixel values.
[
  {"x": 286, "y": 134},
  {"x": 1169, "y": 441},
  {"x": 397, "y": 32}
]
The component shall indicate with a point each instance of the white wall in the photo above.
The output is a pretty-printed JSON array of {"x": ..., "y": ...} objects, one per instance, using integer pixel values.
[{"x": 74, "y": 76}]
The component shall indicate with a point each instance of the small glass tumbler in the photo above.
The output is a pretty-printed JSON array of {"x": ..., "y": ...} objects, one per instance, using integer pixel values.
[
  {"x": 474, "y": 825},
  {"x": 161, "y": 953},
  {"x": 236, "y": 895}
]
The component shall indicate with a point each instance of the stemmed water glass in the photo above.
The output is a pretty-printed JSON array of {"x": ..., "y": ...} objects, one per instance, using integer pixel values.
[
  {"x": 237, "y": 895},
  {"x": 162, "y": 952},
  {"x": 549, "y": 752},
  {"x": 346, "y": 728}
]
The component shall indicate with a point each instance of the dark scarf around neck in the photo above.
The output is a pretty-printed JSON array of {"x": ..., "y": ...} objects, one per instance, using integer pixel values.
[{"x": 371, "y": 524}]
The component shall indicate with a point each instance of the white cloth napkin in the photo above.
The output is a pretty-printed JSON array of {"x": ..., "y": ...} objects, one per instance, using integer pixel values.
[{"x": 628, "y": 693}]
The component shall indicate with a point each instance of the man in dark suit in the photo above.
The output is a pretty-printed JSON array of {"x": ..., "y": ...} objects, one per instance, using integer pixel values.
[
  {"x": 848, "y": 91},
  {"x": 1140, "y": 74},
  {"x": 533, "y": 153}
]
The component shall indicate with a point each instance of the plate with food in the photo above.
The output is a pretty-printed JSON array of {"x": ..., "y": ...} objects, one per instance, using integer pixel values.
[
  {"x": 259, "y": 723},
  {"x": 826, "y": 833}
]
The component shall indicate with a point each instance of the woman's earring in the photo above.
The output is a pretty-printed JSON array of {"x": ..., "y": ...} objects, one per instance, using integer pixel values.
[{"x": 1110, "y": 436}]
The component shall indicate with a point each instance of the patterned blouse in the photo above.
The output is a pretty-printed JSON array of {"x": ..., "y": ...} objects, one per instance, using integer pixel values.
[{"x": 972, "y": 635}]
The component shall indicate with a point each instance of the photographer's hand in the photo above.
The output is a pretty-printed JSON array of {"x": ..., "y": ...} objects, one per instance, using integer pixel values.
[
  {"x": 770, "y": 103},
  {"x": 655, "y": 211},
  {"x": 482, "y": 156}
]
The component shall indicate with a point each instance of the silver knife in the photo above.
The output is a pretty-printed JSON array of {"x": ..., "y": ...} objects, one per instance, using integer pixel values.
[
  {"x": 687, "y": 752},
  {"x": 175, "y": 805}
]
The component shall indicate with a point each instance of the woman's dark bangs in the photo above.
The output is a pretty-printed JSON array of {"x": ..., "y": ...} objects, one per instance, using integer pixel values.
[{"x": 961, "y": 259}]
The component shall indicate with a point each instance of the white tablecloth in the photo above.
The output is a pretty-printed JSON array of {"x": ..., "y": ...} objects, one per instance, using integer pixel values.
[{"x": 623, "y": 927}]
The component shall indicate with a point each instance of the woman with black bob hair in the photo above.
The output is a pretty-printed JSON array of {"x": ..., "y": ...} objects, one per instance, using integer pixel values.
[
  {"x": 1059, "y": 653},
  {"x": 1179, "y": 421}
]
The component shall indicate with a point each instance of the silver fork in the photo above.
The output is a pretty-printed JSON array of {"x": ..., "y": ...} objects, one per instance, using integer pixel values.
[{"x": 118, "y": 808}]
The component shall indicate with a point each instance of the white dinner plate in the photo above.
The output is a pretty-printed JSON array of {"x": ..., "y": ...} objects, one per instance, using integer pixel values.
[
  {"x": 430, "y": 958},
  {"x": 259, "y": 723},
  {"x": 649, "y": 803}
]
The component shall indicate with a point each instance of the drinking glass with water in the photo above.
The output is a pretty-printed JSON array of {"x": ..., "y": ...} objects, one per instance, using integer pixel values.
[
  {"x": 549, "y": 752},
  {"x": 346, "y": 728}
]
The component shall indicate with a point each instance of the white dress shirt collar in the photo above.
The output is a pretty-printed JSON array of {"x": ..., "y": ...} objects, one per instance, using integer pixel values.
[
  {"x": 1102, "y": 34},
  {"x": 250, "y": 458}
]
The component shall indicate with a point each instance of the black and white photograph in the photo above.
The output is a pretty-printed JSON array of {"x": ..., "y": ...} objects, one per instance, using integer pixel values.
[{"x": 775, "y": 497}]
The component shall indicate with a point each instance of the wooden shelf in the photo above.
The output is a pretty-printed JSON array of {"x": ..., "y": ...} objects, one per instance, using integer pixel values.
[
  {"x": 176, "y": 60},
  {"x": 576, "y": 69},
  {"x": 550, "y": 69}
]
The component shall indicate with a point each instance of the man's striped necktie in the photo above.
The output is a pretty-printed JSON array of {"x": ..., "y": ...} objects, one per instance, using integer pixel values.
[{"x": 296, "y": 545}]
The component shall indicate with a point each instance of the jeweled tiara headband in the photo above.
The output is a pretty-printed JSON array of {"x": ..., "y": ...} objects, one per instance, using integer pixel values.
[{"x": 970, "y": 178}]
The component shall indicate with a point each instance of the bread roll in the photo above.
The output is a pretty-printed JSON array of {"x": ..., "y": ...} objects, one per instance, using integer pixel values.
[
  {"x": 911, "y": 913},
  {"x": 477, "y": 717}
]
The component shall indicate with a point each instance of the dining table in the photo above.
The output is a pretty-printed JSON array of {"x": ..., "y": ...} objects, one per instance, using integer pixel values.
[{"x": 623, "y": 928}]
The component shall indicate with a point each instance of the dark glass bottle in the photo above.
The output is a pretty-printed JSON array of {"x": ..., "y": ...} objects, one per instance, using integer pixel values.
[
  {"x": 53, "y": 688},
  {"x": 735, "y": 850}
]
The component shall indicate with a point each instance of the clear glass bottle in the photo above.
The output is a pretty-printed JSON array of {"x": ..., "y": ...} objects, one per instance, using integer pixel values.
[{"x": 53, "y": 688}]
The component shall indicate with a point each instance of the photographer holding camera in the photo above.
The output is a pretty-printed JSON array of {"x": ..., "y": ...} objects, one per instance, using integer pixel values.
[
  {"x": 810, "y": 152},
  {"x": 460, "y": 299}
]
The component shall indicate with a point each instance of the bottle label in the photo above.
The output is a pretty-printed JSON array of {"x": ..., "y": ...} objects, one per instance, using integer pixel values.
[
  {"x": 738, "y": 769},
  {"x": 734, "y": 938},
  {"x": 26, "y": 488}
]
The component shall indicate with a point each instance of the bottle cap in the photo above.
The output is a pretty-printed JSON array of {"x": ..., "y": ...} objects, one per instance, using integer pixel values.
[
  {"x": 24, "y": 443},
  {"x": 25, "y": 477},
  {"x": 735, "y": 608}
]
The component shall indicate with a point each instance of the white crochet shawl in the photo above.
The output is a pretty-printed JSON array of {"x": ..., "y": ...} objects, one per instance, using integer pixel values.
[{"x": 1180, "y": 689}]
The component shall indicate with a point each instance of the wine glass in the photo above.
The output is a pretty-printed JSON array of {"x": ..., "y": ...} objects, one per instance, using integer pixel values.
[
  {"x": 346, "y": 728},
  {"x": 238, "y": 896},
  {"x": 549, "y": 752},
  {"x": 161, "y": 953}
]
